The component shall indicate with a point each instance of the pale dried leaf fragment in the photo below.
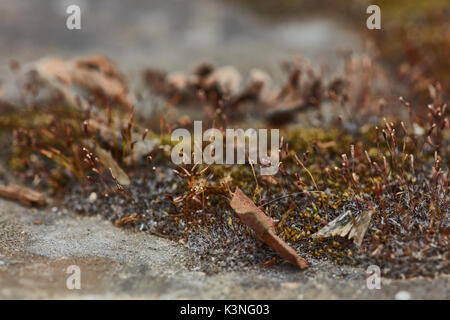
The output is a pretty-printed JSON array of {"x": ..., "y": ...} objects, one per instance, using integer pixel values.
[
  {"x": 347, "y": 225},
  {"x": 108, "y": 161},
  {"x": 264, "y": 227},
  {"x": 24, "y": 195}
]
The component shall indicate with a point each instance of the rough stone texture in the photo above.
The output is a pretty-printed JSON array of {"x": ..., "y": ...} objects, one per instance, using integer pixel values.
[{"x": 117, "y": 263}]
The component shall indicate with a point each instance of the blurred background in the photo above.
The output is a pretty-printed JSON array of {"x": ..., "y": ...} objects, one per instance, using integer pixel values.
[
  {"x": 173, "y": 34},
  {"x": 177, "y": 34}
]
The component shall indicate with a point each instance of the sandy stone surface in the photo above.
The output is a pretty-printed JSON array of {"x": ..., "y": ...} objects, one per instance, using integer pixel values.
[{"x": 117, "y": 263}]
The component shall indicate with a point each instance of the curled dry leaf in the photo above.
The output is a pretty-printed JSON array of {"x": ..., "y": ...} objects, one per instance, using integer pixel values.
[
  {"x": 354, "y": 227},
  {"x": 24, "y": 195},
  {"x": 264, "y": 227}
]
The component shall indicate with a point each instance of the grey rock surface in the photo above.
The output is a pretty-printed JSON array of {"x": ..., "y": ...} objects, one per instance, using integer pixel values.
[{"x": 37, "y": 247}]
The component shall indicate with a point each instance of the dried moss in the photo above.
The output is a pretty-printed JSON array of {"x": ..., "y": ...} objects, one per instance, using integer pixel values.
[{"x": 324, "y": 172}]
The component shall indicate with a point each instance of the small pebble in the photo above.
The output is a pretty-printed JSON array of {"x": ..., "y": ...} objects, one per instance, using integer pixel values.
[
  {"x": 93, "y": 197},
  {"x": 402, "y": 295}
]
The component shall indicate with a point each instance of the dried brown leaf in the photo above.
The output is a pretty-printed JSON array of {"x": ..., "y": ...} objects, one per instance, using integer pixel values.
[{"x": 264, "y": 227}]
